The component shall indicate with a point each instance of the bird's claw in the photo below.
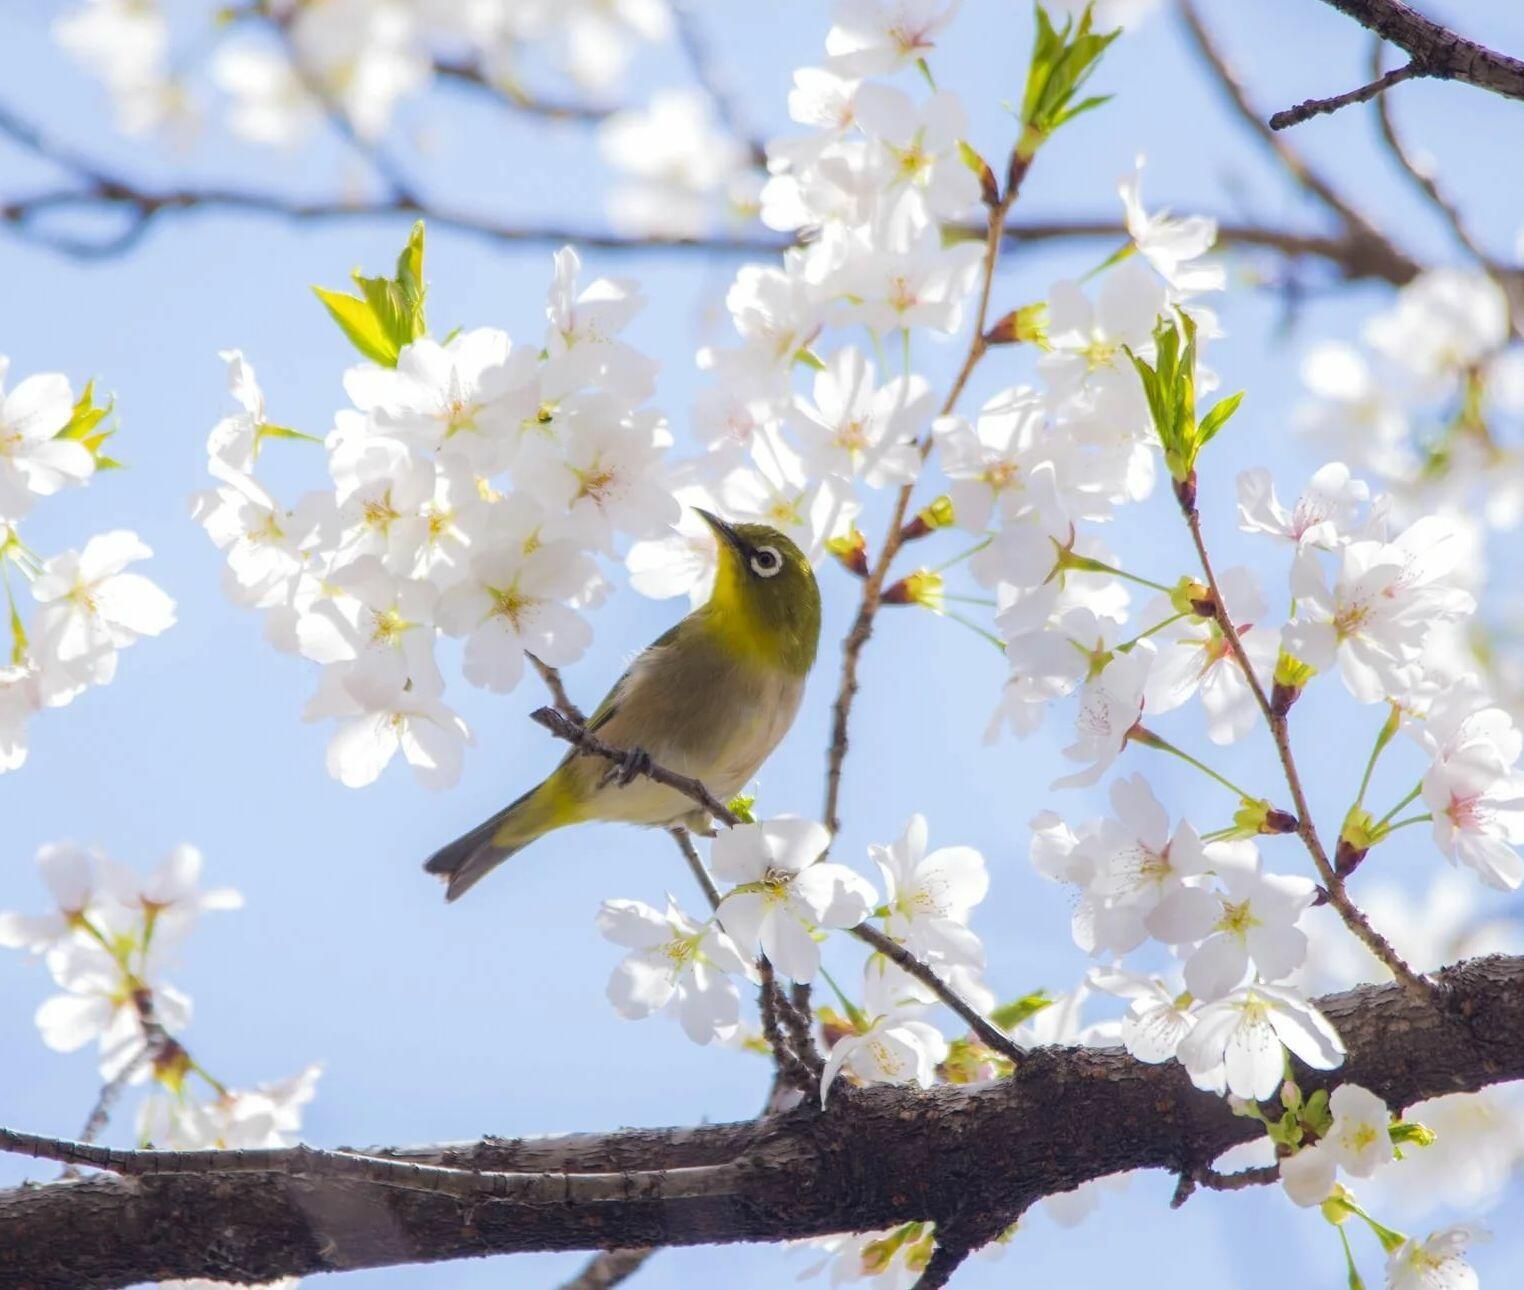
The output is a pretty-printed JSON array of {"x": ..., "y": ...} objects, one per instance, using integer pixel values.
[{"x": 633, "y": 764}]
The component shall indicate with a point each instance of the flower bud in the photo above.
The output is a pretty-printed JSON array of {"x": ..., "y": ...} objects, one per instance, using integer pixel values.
[
  {"x": 1029, "y": 325},
  {"x": 938, "y": 515},
  {"x": 851, "y": 548},
  {"x": 989, "y": 190},
  {"x": 923, "y": 587}
]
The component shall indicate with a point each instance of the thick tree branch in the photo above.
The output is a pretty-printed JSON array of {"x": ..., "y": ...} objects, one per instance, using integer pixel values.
[
  {"x": 1439, "y": 51},
  {"x": 965, "y": 1156}
]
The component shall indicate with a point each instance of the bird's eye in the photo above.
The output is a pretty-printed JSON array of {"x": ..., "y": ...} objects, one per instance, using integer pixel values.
[{"x": 765, "y": 561}]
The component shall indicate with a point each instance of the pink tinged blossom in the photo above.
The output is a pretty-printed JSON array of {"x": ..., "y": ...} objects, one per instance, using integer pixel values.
[
  {"x": 1473, "y": 788},
  {"x": 1323, "y": 516},
  {"x": 1437, "y": 1262},
  {"x": 930, "y": 897},
  {"x": 871, "y": 37},
  {"x": 1377, "y": 617},
  {"x": 1110, "y": 706}
]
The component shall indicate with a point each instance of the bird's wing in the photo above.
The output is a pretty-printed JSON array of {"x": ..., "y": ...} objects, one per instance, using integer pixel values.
[{"x": 611, "y": 700}]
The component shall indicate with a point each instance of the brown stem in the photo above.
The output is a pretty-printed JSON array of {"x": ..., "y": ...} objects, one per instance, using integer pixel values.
[
  {"x": 1309, "y": 108},
  {"x": 1356, "y": 225},
  {"x": 1437, "y": 49},
  {"x": 577, "y": 735},
  {"x": 1306, "y": 830},
  {"x": 990, "y": 1035},
  {"x": 873, "y": 584},
  {"x": 557, "y": 688}
]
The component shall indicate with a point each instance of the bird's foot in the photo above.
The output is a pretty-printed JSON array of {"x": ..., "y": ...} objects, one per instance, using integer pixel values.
[{"x": 635, "y": 763}]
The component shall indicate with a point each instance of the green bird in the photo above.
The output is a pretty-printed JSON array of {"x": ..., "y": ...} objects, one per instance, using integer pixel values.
[{"x": 710, "y": 699}]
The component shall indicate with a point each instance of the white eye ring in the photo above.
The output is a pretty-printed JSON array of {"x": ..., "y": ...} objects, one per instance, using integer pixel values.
[{"x": 765, "y": 561}]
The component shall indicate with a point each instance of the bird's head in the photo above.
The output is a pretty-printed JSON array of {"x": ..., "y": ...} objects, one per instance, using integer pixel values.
[{"x": 765, "y": 602}]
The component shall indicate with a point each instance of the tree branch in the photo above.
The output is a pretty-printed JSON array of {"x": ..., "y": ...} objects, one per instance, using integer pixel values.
[
  {"x": 579, "y": 737},
  {"x": 1357, "y": 227},
  {"x": 990, "y": 1035},
  {"x": 880, "y": 1156},
  {"x": 1309, "y": 108},
  {"x": 1437, "y": 50}
]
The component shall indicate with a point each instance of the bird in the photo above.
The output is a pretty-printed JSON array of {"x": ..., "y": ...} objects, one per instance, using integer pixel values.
[{"x": 710, "y": 698}]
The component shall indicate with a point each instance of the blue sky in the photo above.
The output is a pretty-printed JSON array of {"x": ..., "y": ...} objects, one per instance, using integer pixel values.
[{"x": 438, "y": 1023}]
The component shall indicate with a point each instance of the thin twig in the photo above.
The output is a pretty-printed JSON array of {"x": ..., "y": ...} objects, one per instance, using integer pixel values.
[
  {"x": 873, "y": 584},
  {"x": 1440, "y": 51},
  {"x": 576, "y": 734},
  {"x": 469, "y": 74},
  {"x": 557, "y": 688},
  {"x": 1312, "y": 181},
  {"x": 1206, "y": 1176},
  {"x": 1309, "y": 108},
  {"x": 1306, "y": 830},
  {"x": 100, "y": 190},
  {"x": 1426, "y": 184},
  {"x": 701, "y": 61},
  {"x": 990, "y": 1035}
]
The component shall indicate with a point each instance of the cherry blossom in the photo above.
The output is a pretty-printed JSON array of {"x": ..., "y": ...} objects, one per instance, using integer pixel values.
[
  {"x": 894, "y": 1049},
  {"x": 1237, "y": 1040},
  {"x": 674, "y": 964},
  {"x": 929, "y": 897},
  {"x": 783, "y": 889}
]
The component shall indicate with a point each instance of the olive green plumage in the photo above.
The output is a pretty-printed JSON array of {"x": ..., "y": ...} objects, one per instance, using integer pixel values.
[{"x": 710, "y": 698}]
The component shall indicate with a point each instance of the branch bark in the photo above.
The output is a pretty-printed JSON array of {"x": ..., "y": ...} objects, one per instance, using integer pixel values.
[
  {"x": 970, "y": 1157},
  {"x": 1437, "y": 50}
]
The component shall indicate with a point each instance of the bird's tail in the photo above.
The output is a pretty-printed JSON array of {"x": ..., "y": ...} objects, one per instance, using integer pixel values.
[{"x": 472, "y": 856}]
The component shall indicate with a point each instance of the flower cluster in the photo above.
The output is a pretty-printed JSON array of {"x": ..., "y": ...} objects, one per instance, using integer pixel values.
[
  {"x": 784, "y": 897},
  {"x": 107, "y": 941},
  {"x": 89, "y": 607},
  {"x": 475, "y": 483},
  {"x": 283, "y": 65}
]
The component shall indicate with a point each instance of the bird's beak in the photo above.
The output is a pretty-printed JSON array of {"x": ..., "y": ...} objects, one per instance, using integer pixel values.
[{"x": 722, "y": 530}]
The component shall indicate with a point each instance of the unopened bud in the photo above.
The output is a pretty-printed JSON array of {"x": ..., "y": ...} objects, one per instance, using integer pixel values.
[
  {"x": 938, "y": 515},
  {"x": 1191, "y": 596},
  {"x": 171, "y": 1064},
  {"x": 1029, "y": 325},
  {"x": 851, "y": 548},
  {"x": 1185, "y": 492},
  {"x": 989, "y": 190},
  {"x": 1256, "y": 816},
  {"x": 924, "y": 587}
]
